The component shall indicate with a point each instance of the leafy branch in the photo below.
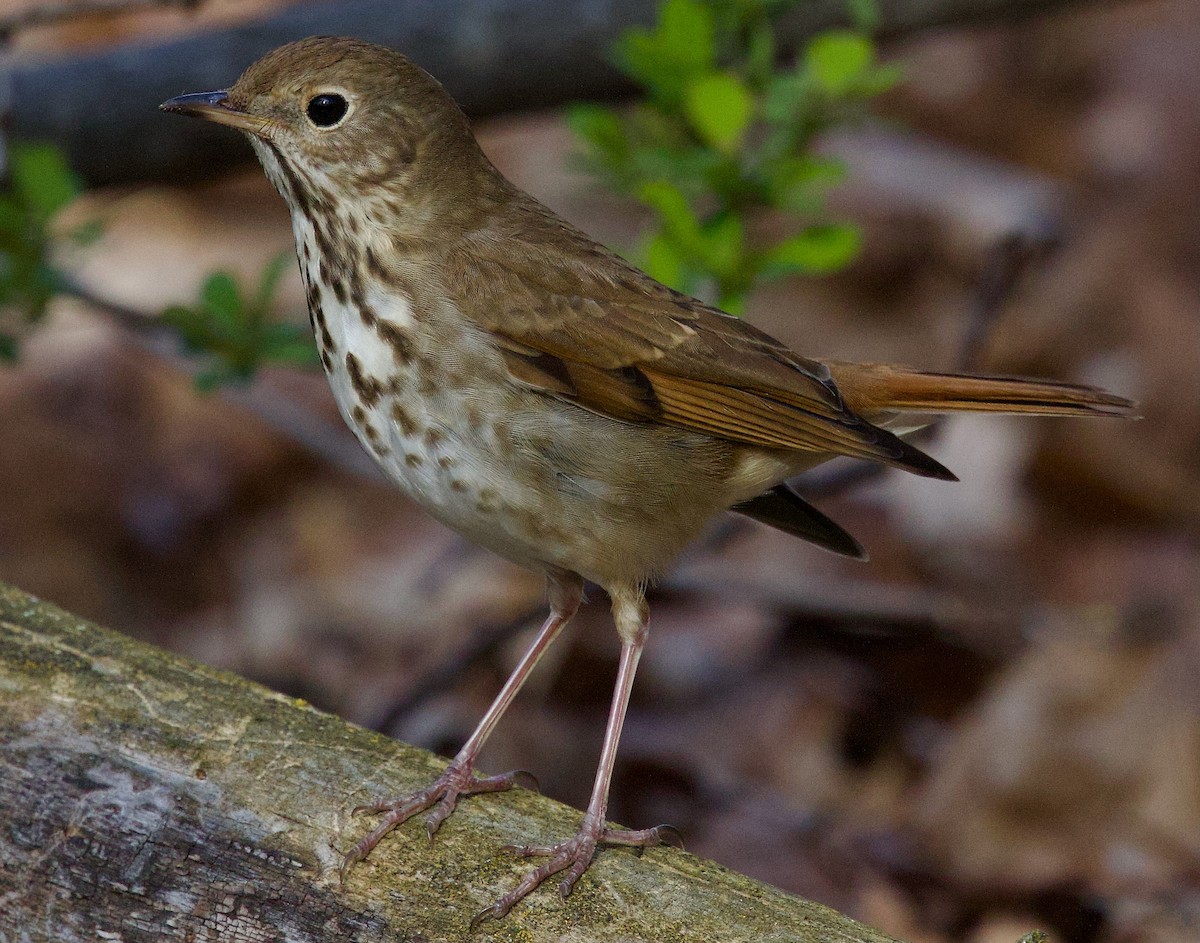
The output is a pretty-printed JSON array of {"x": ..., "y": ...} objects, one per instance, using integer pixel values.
[
  {"x": 234, "y": 333},
  {"x": 724, "y": 133},
  {"x": 231, "y": 331},
  {"x": 39, "y": 185}
]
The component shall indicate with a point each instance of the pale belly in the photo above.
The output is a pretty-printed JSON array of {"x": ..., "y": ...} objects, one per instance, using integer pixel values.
[{"x": 538, "y": 481}]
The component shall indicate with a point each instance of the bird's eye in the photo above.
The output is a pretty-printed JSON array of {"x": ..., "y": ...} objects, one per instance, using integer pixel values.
[{"x": 326, "y": 110}]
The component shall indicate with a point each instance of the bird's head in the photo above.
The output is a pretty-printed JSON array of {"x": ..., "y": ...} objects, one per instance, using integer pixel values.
[{"x": 331, "y": 113}]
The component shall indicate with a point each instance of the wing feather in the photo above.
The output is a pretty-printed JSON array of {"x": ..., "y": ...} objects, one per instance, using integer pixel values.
[{"x": 585, "y": 326}]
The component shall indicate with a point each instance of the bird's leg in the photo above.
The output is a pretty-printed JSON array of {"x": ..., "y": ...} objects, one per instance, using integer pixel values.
[
  {"x": 459, "y": 779},
  {"x": 575, "y": 854}
]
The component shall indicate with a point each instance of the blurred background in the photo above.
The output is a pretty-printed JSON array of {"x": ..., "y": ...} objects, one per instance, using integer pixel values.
[{"x": 992, "y": 726}]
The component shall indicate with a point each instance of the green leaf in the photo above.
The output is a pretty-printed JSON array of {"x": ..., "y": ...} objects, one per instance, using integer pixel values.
[
  {"x": 13, "y": 223},
  {"x": 269, "y": 282},
  {"x": 724, "y": 244},
  {"x": 732, "y": 302},
  {"x": 816, "y": 251},
  {"x": 686, "y": 31},
  {"x": 663, "y": 260},
  {"x": 672, "y": 206},
  {"x": 760, "y": 54},
  {"x": 41, "y": 178},
  {"x": 221, "y": 299},
  {"x": 681, "y": 45},
  {"x": 289, "y": 343},
  {"x": 719, "y": 107},
  {"x": 838, "y": 59},
  {"x": 798, "y": 184},
  {"x": 601, "y": 128},
  {"x": 191, "y": 326}
]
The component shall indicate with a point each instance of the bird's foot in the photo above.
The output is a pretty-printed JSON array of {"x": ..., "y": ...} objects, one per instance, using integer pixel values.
[
  {"x": 573, "y": 856},
  {"x": 442, "y": 795}
]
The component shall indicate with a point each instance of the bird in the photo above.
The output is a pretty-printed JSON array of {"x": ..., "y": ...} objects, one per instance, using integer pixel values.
[{"x": 540, "y": 395}]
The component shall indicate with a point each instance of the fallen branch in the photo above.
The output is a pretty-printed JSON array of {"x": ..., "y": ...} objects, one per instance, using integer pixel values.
[
  {"x": 493, "y": 55},
  {"x": 144, "y": 797}
]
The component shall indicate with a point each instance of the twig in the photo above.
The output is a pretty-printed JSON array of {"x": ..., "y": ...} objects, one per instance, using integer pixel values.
[{"x": 48, "y": 13}]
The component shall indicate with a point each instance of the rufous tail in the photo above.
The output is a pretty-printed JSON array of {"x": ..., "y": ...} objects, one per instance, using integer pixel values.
[{"x": 875, "y": 390}]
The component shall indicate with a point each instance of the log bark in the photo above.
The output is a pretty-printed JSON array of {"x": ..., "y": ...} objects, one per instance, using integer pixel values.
[
  {"x": 493, "y": 55},
  {"x": 147, "y": 798}
]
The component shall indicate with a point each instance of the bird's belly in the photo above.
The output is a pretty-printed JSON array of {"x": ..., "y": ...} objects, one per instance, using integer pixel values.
[{"x": 539, "y": 482}]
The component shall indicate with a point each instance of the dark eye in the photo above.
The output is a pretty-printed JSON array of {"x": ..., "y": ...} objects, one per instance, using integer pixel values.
[{"x": 326, "y": 110}]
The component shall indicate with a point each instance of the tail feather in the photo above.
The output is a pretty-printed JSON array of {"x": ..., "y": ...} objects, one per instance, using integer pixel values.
[
  {"x": 875, "y": 391},
  {"x": 783, "y": 508}
]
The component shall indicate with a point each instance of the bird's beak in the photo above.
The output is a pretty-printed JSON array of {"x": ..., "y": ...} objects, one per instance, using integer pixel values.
[{"x": 214, "y": 106}]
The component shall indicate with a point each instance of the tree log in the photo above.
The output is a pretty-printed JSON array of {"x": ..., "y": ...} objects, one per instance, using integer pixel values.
[
  {"x": 147, "y": 798},
  {"x": 493, "y": 55}
]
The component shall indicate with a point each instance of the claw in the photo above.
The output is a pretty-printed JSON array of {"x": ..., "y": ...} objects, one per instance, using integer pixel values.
[
  {"x": 488, "y": 913},
  {"x": 453, "y": 783},
  {"x": 668, "y": 835},
  {"x": 574, "y": 856},
  {"x": 526, "y": 780}
]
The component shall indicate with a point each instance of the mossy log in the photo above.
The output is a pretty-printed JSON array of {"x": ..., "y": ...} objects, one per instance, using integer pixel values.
[{"x": 144, "y": 797}]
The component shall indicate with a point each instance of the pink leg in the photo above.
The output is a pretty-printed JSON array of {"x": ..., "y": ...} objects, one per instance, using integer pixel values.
[
  {"x": 575, "y": 854},
  {"x": 459, "y": 779}
]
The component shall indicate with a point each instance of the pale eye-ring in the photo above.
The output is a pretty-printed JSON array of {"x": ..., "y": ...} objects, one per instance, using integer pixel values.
[{"x": 327, "y": 109}]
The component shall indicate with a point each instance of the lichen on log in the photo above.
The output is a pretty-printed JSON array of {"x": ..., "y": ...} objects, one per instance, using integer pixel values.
[{"x": 144, "y": 797}]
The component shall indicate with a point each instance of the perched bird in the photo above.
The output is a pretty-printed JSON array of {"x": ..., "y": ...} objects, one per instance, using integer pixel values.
[{"x": 535, "y": 392}]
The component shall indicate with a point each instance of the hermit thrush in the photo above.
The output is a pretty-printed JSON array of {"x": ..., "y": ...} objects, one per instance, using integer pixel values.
[{"x": 535, "y": 392}]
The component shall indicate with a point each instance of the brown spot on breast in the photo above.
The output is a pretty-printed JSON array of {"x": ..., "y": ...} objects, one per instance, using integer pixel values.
[
  {"x": 407, "y": 424},
  {"x": 486, "y": 503},
  {"x": 412, "y": 459},
  {"x": 297, "y": 191},
  {"x": 433, "y": 436},
  {"x": 317, "y": 314},
  {"x": 447, "y": 461},
  {"x": 458, "y": 485},
  {"x": 359, "y": 415},
  {"x": 339, "y": 288},
  {"x": 396, "y": 338},
  {"x": 369, "y": 388},
  {"x": 365, "y": 311},
  {"x": 375, "y": 267},
  {"x": 372, "y": 433}
]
